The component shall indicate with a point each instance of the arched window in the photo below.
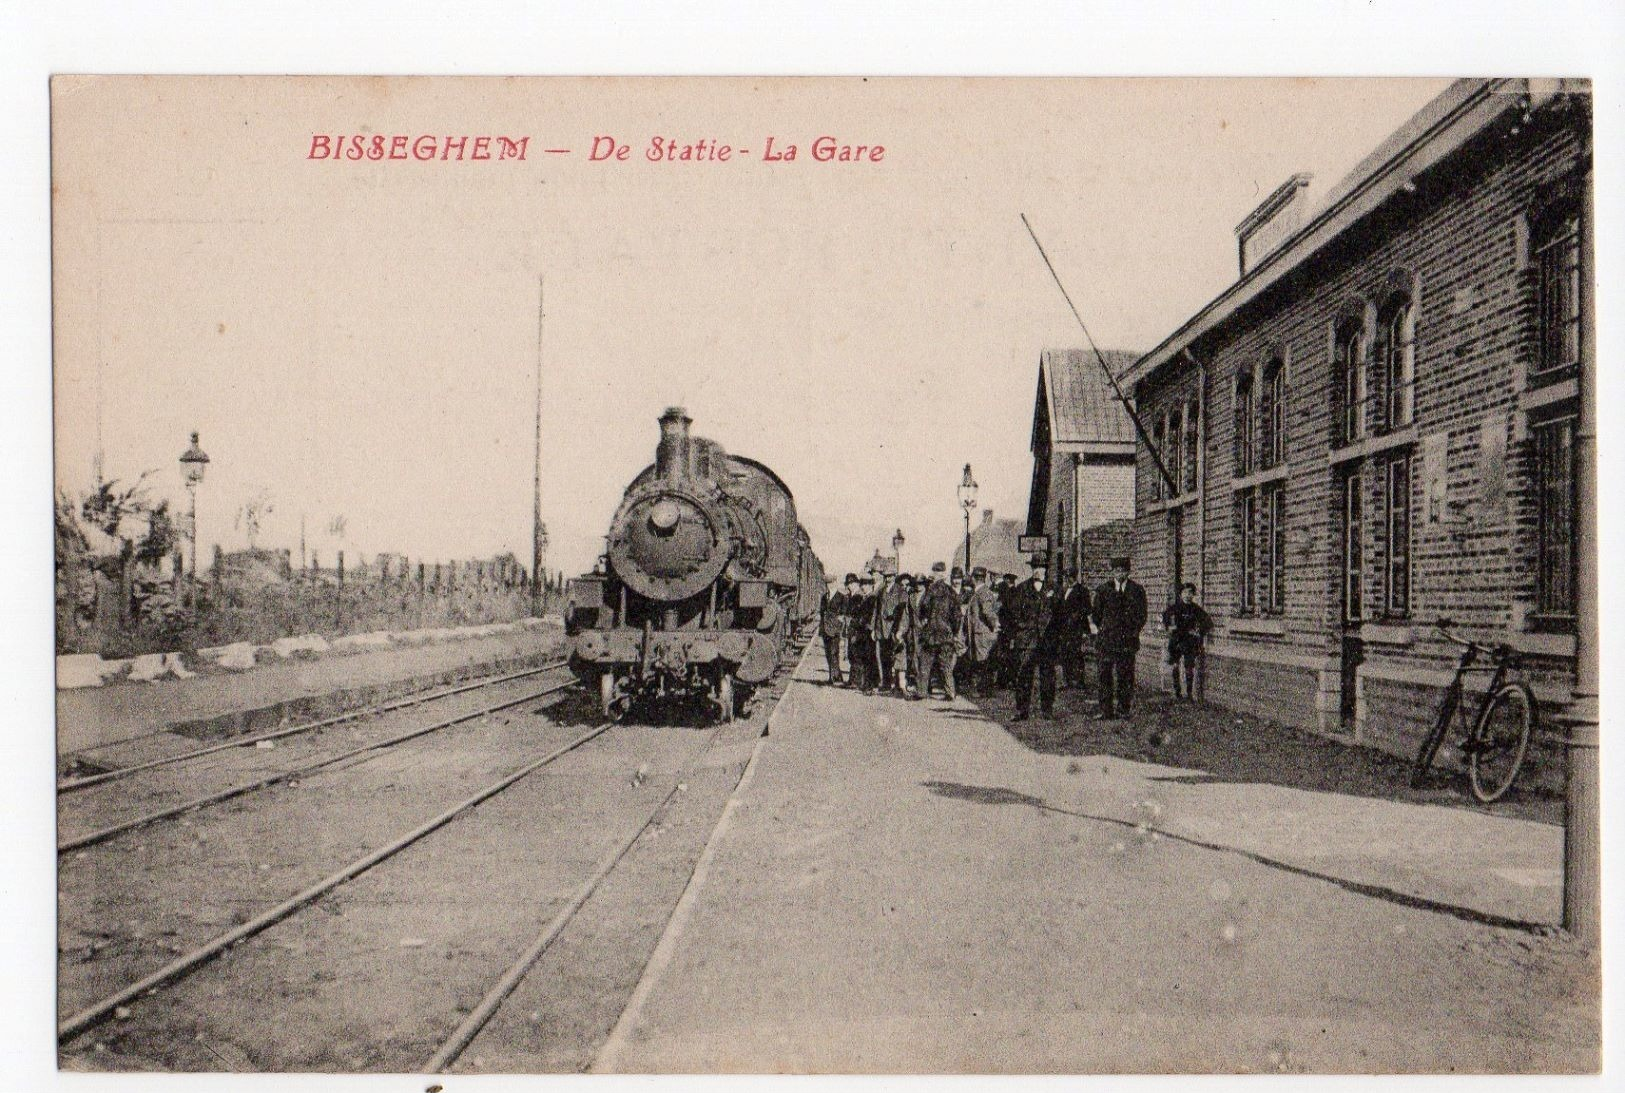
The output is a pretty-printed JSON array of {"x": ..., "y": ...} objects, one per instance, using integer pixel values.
[
  {"x": 1244, "y": 424},
  {"x": 1191, "y": 442},
  {"x": 1273, "y": 416},
  {"x": 1399, "y": 362},
  {"x": 1174, "y": 453},
  {"x": 1159, "y": 439},
  {"x": 1349, "y": 366}
]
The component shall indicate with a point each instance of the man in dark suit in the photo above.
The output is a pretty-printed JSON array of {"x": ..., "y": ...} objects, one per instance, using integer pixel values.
[
  {"x": 832, "y": 623},
  {"x": 939, "y": 632},
  {"x": 863, "y": 668},
  {"x": 1035, "y": 623},
  {"x": 1118, "y": 617},
  {"x": 1074, "y": 629}
]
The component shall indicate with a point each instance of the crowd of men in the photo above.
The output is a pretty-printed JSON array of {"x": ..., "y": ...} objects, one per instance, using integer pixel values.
[{"x": 916, "y": 635}]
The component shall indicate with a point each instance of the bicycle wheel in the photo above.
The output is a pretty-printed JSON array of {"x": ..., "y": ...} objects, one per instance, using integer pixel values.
[
  {"x": 1500, "y": 741},
  {"x": 1435, "y": 736}
]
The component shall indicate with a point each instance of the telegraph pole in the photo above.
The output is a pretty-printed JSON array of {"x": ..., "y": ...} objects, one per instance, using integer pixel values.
[{"x": 537, "y": 533}]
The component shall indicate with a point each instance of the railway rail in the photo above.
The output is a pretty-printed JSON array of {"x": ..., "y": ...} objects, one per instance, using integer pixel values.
[
  {"x": 482, "y": 1013},
  {"x": 101, "y": 835},
  {"x": 74, "y": 785},
  {"x": 187, "y": 962},
  {"x": 475, "y": 1021}
]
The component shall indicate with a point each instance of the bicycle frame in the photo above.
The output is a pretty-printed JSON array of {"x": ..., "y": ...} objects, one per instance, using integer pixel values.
[{"x": 1458, "y": 690}]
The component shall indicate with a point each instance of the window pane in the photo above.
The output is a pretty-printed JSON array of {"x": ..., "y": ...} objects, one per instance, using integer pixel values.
[
  {"x": 1559, "y": 289},
  {"x": 1192, "y": 440},
  {"x": 1248, "y": 587},
  {"x": 1397, "y": 536},
  {"x": 1355, "y": 385},
  {"x": 1352, "y": 548},
  {"x": 1555, "y": 487},
  {"x": 1175, "y": 448},
  {"x": 1277, "y": 576},
  {"x": 1244, "y": 427}
]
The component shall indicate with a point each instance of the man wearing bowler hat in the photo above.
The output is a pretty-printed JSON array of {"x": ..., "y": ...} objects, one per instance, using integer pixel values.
[
  {"x": 939, "y": 631},
  {"x": 981, "y": 630},
  {"x": 832, "y": 625},
  {"x": 1035, "y": 641},
  {"x": 1117, "y": 619}
]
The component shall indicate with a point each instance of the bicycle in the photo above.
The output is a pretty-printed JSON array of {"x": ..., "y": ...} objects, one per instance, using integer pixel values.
[{"x": 1498, "y": 739}]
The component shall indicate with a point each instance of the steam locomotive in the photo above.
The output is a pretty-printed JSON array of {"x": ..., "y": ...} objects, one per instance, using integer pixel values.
[{"x": 706, "y": 578}]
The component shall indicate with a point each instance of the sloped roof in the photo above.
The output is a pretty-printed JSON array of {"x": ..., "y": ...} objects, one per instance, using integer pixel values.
[
  {"x": 1082, "y": 408},
  {"x": 992, "y": 544}
]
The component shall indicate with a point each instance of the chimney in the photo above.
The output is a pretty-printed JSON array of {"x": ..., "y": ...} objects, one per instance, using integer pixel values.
[
  {"x": 1275, "y": 220},
  {"x": 671, "y": 457},
  {"x": 987, "y": 517}
]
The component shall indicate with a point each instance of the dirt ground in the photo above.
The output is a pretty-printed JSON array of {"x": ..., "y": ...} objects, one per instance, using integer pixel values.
[{"x": 926, "y": 887}]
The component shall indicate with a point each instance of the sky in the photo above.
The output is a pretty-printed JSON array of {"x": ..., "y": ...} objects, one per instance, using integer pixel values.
[{"x": 360, "y": 338}]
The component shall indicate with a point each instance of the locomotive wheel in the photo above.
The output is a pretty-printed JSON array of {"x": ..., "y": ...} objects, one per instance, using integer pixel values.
[{"x": 725, "y": 696}]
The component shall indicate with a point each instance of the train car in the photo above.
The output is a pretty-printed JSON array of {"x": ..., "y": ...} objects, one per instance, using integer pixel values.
[{"x": 706, "y": 577}]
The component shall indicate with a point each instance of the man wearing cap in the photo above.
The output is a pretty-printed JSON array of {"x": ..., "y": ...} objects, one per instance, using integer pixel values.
[
  {"x": 832, "y": 625},
  {"x": 1035, "y": 641},
  {"x": 981, "y": 631},
  {"x": 939, "y": 631},
  {"x": 1117, "y": 619}
]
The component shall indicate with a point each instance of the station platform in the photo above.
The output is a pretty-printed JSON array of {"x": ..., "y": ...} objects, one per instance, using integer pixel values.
[
  {"x": 925, "y": 887},
  {"x": 96, "y": 717}
]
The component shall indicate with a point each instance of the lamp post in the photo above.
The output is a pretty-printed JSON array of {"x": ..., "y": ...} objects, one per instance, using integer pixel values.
[
  {"x": 193, "y": 464},
  {"x": 897, "y": 550},
  {"x": 967, "y": 501}
]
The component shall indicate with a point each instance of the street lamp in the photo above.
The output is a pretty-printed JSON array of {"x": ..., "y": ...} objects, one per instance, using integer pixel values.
[
  {"x": 897, "y": 550},
  {"x": 193, "y": 464},
  {"x": 967, "y": 501}
]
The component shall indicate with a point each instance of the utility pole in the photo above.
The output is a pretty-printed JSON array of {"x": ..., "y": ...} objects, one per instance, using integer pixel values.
[{"x": 538, "y": 534}]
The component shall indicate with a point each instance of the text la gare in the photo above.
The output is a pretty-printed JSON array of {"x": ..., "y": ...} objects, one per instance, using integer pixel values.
[{"x": 825, "y": 149}]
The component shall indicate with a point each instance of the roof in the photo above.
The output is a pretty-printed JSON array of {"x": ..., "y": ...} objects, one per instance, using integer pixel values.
[
  {"x": 1436, "y": 131},
  {"x": 992, "y": 544},
  {"x": 1076, "y": 402}
]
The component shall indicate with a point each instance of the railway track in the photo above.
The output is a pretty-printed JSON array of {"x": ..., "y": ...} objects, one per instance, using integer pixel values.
[
  {"x": 481, "y": 1015},
  {"x": 291, "y": 775},
  {"x": 74, "y": 785},
  {"x": 101, "y": 1010},
  {"x": 491, "y": 1002}
]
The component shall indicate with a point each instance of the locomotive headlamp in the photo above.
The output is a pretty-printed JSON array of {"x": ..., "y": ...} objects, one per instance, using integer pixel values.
[{"x": 664, "y": 516}]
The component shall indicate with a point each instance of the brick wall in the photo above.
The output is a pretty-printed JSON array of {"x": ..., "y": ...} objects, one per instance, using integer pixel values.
[
  {"x": 1105, "y": 492},
  {"x": 1458, "y": 245}
]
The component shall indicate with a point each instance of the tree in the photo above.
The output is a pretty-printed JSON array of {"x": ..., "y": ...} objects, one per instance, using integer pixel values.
[
  {"x": 116, "y": 519},
  {"x": 252, "y": 512}
]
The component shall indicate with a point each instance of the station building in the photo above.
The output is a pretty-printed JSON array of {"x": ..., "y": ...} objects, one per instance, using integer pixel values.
[
  {"x": 1082, "y": 494},
  {"x": 1374, "y": 426}
]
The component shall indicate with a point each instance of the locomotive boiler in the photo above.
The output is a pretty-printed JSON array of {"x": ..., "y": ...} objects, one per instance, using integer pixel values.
[{"x": 705, "y": 579}]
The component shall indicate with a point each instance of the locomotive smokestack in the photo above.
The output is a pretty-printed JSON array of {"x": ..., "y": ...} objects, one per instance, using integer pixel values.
[{"x": 671, "y": 457}]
